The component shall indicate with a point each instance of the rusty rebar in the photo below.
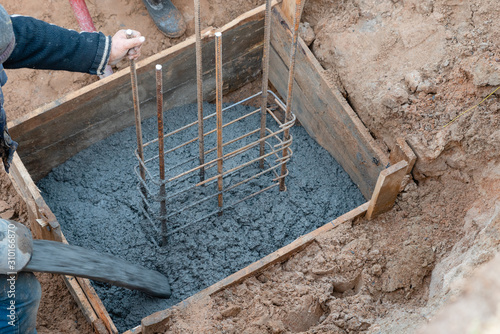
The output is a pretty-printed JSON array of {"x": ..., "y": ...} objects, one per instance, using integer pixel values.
[
  {"x": 161, "y": 153},
  {"x": 137, "y": 109},
  {"x": 199, "y": 81},
  {"x": 218, "y": 103},
  {"x": 272, "y": 158},
  {"x": 291, "y": 74},
  {"x": 265, "y": 78}
]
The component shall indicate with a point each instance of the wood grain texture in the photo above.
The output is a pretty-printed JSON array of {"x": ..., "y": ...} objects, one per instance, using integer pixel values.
[
  {"x": 97, "y": 305},
  {"x": 403, "y": 151},
  {"x": 323, "y": 111},
  {"x": 387, "y": 189},
  {"x": 44, "y": 225},
  {"x": 42, "y": 221},
  {"x": 288, "y": 9},
  {"x": 82, "y": 302}
]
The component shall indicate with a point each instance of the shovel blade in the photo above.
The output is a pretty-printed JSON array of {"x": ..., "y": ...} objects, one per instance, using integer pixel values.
[{"x": 59, "y": 258}]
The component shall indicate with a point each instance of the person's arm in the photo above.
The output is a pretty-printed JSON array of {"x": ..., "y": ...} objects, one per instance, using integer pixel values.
[{"x": 41, "y": 45}]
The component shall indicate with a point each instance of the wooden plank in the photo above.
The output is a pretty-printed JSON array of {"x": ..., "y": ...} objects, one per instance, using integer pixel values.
[
  {"x": 387, "y": 189},
  {"x": 97, "y": 305},
  {"x": 52, "y": 134},
  {"x": 95, "y": 302},
  {"x": 403, "y": 151},
  {"x": 288, "y": 9},
  {"x": 44, "y": 225},
  {"x": 158, "y": 321},
  {"x": 323, "y": 111},
  {"x": 285, "y": 252},
  {"x": 87, "y": 310},
  {"x": 42, "y": 221}
]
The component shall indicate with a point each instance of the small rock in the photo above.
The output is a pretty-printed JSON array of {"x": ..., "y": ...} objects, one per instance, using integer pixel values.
[
  {"x": 277, "y": 301},
  {"x": 306, "y": 32},
  {"x": 427, "y": 87},
  {"x": 3, "y": 206},
  {"x": 425, "y": 6},
  {"x": 231, "y": 311},
  {"x": 9, "y": 214},
  {"x": 276, "y": 326},
  {"x": 262, "y": 278},
  {"x": 485, "y": 74},
  {"x": 413, "y": 80},
  {"x": 395, "y": 97},
  {"x": 377, "y": 269},
  {"x": 389, "y": 102}
]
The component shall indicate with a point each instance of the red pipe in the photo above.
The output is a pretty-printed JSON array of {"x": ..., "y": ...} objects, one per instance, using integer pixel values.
[
  {"x": 82, "y": 15},
  {"x": 86, "y": 24}
]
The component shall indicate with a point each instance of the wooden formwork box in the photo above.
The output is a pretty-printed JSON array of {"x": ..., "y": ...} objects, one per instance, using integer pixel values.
[{"x": 50, "y": 135}]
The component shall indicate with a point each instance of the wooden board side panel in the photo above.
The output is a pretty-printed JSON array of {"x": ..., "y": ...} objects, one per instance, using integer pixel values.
[
  {"x": 97, "y": 304},
  {"x": 403, "y": 151},
  {"x": 78, "y": 295},
  {"x": 44, "y": 225},
  {"x": 42, "y": 221},
  {"x": 322, "y": 111},
  {"x": 387, "y": 189}
]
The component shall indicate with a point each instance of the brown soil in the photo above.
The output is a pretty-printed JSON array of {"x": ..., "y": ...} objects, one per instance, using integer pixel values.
[{"x": 407, "y": 67}]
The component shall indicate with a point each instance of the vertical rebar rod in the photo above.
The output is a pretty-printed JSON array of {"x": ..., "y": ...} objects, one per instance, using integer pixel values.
[
  {"x": 265, "y": 78},
  {"x": 291, "y": 73},
  {"x": 161, "y": 153},
  {"x": 137, "y": 111},
  {"x": 199, "y": 81},
  {"x": 218, "y": 102}
]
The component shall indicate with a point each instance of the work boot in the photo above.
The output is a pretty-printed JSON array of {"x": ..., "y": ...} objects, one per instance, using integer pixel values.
[{"x": 166, "y": 17}]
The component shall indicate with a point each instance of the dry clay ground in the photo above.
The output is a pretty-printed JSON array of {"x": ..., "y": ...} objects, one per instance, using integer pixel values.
[{"x": 407, "y": 68}]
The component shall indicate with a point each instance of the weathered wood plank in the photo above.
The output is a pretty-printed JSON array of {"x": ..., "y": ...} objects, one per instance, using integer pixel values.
[
  {"x": 54, "y": 133},
  {"x": 403, "y": 151},
  {"x": 42, "y": 221},
  {"x": 288, "y": 9},
  {"x": 97, "y": 304},
  {"x": 44, "y": 225},
  {"x": 158, "y": 321},
  {"x": 87, "y": 310},
  {"x": 387, "y": 189},
  {"x": 322, "y": 110}
]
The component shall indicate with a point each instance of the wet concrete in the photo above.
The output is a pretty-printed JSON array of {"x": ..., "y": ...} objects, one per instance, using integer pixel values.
[{"x": 95, "y": 198}]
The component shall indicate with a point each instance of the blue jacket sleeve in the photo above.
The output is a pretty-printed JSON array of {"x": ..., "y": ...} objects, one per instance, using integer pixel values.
[{"x": 41, "y": 45}]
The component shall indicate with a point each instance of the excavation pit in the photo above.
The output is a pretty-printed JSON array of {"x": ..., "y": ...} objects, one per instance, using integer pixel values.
[
  {"x": 58, "y": 131},
  {"x": 95, "y": 199}
]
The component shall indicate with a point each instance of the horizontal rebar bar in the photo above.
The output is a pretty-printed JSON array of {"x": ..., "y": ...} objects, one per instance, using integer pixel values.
[
  {"x": 234, "y": 170},
  {"x": 187, "y": 126},
  {"x": 238, "y": 151},
  {"x": 225, "y": 208}
]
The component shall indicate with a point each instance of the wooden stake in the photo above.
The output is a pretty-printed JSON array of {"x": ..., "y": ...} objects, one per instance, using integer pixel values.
[{"x": 387, "y": 189}]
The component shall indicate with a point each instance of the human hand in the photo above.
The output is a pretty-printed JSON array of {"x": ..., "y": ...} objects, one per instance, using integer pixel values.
[{"x": 122, "y": 46}]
